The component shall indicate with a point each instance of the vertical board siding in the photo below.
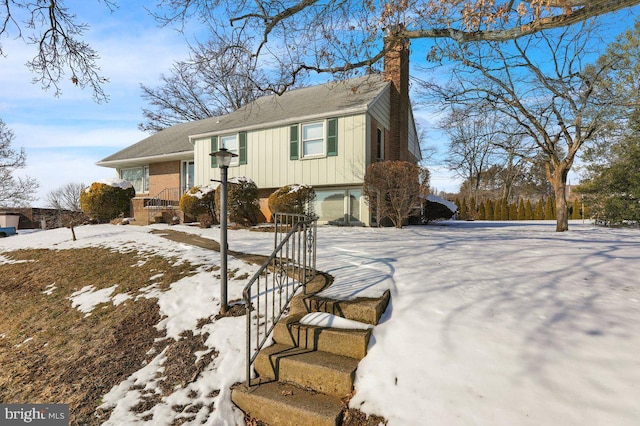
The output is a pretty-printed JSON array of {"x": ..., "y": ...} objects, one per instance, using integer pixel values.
[
  {"x": 269, "y": 165},
  {"x": 202, "y": 161}
]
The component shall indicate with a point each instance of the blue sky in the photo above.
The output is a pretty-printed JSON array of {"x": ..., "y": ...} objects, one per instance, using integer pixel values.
[{"x": 64, "y": 137}]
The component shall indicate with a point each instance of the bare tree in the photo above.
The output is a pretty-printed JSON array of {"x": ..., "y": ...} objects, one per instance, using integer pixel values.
[
  {"x": 337, "y": 36},
  {"x": 471, "y": 150},
  {"x": 66, "y": 197},
  {"x": 296, "y": 36},
  {"x": 543, "y": 84},
  {"x": 14, "y": 191},
  {"x": 428, "y": 148},
  {"x": 486, "y": 150},
  {"x": 393, "y": 189},
  {"x": 513, "y": 168},
  {"x": 60, "y": 51},
  {"x": 215, "y": 80},
  {"x": 66, "y": 201}
]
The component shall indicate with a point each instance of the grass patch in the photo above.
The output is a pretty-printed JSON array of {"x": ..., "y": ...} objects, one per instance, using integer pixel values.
[{"x": 52, "y": 353}]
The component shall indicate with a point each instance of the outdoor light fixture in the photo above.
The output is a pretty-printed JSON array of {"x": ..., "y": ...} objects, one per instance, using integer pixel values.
[{"x": 223, "y": 157}]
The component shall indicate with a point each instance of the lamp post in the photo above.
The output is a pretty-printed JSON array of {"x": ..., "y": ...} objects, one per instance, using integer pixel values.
[{"x": 223, "y": 157}]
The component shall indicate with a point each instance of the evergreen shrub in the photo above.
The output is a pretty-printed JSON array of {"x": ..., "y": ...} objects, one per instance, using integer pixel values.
[
  {"x": 294, "y": 199},
  {"x": 242, "y": 201},
  {"x": 107, "y": 200},
  {"x": 199, "y": 200}
]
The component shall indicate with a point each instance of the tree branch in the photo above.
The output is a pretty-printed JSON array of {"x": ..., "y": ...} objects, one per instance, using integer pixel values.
[{"x": 589, "y": 9}]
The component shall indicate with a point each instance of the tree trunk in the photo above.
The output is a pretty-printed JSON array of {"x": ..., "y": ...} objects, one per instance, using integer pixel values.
[{"x": 559, "y": 183}]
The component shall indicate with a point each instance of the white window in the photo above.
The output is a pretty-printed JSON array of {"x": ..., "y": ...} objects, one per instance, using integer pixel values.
[
  {"x": 138, "y": 176},
  {"x": 230, "y": 142},
  {"x": 313, "y": 139},
  {"x": 235, "y": 144}
]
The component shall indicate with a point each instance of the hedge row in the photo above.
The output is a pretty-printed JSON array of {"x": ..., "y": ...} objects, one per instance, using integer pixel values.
[{"x": 469, "y": 209}]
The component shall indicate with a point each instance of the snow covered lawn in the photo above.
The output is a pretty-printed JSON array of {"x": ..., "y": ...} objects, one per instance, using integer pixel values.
[{"x": 490, "y": 323}]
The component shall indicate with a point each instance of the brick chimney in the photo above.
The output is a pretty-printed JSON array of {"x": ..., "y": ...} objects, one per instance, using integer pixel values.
[{"x": 396, "y": 70}]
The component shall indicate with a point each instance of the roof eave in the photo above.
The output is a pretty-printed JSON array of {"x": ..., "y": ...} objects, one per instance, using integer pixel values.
[
  {"x": 341, "y": 112},
  {"x": 183, "y": 155}
]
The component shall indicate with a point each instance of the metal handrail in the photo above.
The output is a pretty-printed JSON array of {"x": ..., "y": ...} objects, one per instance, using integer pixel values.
[
  {"x": 168, "y": 198},
  {"x": 291, "y": 265}
]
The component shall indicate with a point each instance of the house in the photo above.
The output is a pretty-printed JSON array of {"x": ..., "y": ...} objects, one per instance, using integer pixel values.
[
  {"x": 324, "y": 135},
  {"x": 160, "y": 167}
]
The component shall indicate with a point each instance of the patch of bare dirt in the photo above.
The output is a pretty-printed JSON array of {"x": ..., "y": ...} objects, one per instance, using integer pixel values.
[
  {"x": 182, "y": 366},
  {"x": 206, "y": 243},
  {"x": 52, "y": 353},
  {"x": 353, "y": 417}
]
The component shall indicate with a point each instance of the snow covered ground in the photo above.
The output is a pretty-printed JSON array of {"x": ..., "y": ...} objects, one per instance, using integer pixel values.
[{"x": 490, "y": 323}]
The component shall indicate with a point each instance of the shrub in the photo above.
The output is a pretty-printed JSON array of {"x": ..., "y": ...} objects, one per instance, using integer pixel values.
[
  {"x": 482, "y": 211},
  {"x": 197, "y": 201},
  {"x": 107, "y": 199},
  {"x": 205, "y": 220},
  {"x": 242, "y": 201},
  {"x": 393, "y": 189},
  {"x": 294, "y": 199},
  {"x": 549, "y": 210}
]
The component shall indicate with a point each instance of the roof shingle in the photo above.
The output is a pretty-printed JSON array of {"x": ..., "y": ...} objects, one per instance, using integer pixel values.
[{"x": 340, "y": 97}]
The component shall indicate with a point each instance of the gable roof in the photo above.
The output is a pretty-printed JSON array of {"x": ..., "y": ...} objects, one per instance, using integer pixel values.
[
  {"x": 169, "y": 142},
  {"x": 323, "y": 100}
]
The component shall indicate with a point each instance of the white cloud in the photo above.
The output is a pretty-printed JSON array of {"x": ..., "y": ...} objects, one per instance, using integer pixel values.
[
  {"x": 33, "y": 137},
  {"x": 64, "y": 137}
]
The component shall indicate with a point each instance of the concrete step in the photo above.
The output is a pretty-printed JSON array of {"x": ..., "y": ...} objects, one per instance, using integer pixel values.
[
  {"x": 279, "y": 404},
  {"x": 350, "y": 343},
  {"x": 366, "y": 310},
  {"x": 320, "y": 371}
]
